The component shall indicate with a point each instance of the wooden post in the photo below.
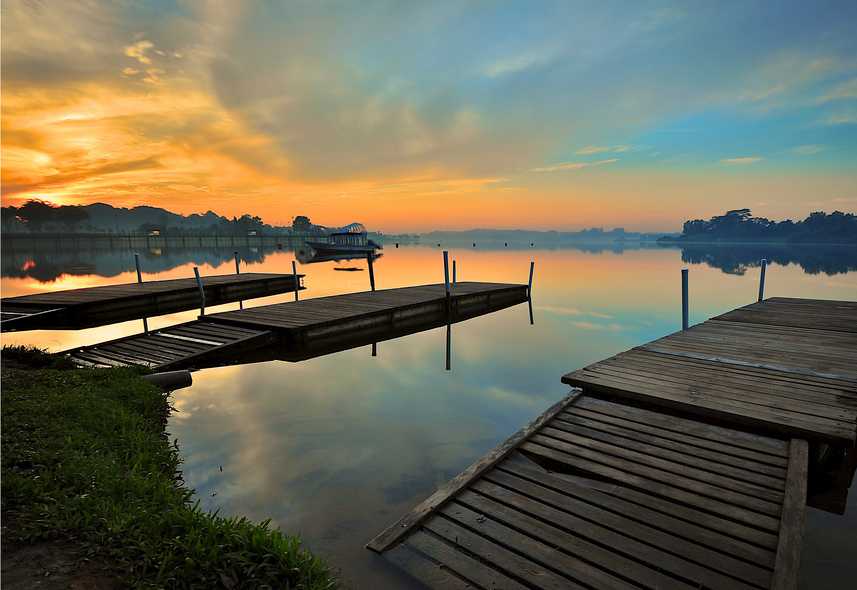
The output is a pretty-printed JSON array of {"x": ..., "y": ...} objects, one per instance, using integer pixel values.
[
  {"x": 530, "y": 282},
  {"x": 369, "y": 257},
  {"x": 453, "y": 272},
  {"x": 446, "y": 281},
  {"x": 684, "y": 304},
  {"x": 140, "y": 280},
  {"x": 764, "y": 265},
  {"x": 238, "y": 272},
  {"x": 374, "y": 349},
  {"x": 201, "y": 291},
  {"x": 297, "y": 280},
  {"x": 446, "y": 271}
]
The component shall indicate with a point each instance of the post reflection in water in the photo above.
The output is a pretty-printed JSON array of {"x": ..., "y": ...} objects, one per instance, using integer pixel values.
[{"x": 336, "y": 448}]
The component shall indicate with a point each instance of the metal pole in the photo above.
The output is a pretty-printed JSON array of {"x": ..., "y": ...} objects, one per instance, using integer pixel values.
[
  {"x": 453, "y": 272},
  {"x": 684, "y": 306},
  {"x": 530, "y": 282},
  {"x": 296, "y": 279},
  {"x": 140, "y": 280},
  {"x": 369, "y": 257},
  {"x": 201, "y": 291},
  {"x": 764, "y": 265},
  {"x": 238, "y": 272}
]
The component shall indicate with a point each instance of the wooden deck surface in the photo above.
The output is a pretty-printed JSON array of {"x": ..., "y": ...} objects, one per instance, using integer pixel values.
[
  {"x": 336, "y": 308},
  {"x": 92, "y": 306},
  {"x": 598, "y": 494},
  {"x": 296, "y": 330},
  {"x": 174, "y": 347},
  {"x": 783, "y": 366}
]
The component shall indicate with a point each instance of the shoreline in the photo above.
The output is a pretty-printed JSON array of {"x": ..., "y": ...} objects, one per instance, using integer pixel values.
[{"x": 92, "y": 491}]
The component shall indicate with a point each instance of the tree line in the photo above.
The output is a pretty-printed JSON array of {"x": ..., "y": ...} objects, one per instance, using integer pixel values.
[{"x": 739, "y": 225}]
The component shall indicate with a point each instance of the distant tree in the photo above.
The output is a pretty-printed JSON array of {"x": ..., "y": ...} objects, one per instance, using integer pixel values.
[
  {"x": 301, "y": 223},
  {"x": 36, "y": 214},
  {"x": 740, "y": 225},
  {"x": 70, "y": 216}
]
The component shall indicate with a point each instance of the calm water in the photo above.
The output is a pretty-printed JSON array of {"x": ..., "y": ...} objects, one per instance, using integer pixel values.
[{"x": 338, "y": 447}]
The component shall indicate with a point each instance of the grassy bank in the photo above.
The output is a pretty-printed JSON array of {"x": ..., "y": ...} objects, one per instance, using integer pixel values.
[{"x": 85, "y": 459}]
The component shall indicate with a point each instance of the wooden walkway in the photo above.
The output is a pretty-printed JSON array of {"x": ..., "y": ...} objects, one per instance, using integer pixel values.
[
  {"x": 297, "y": 330},
  {"x": 597, "y": 494},
  {"x": 97, "y": 306},
  {"x": 786, "y": 366},
  {"x": 187, "y": 345}
]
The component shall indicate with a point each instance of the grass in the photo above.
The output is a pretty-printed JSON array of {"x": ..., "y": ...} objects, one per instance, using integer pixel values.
[{"x": 85, "y": 456}]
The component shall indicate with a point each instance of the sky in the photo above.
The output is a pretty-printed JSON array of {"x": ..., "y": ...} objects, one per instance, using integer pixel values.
[{"x": 412, "y": 116}]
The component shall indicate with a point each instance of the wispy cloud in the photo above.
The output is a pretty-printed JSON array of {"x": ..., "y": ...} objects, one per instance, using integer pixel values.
[
  {"x": 597, "y": 149},
  {"x": 138, "y": 51},
  {"x": 841, "y": 119},
  {"x": 742, "y": 161},
  {"x": 519, "y": 63},
  {"x": 573, "y": 165},
  {"x": 807, "y": 150},
  {"x": 845, "y": 91}
]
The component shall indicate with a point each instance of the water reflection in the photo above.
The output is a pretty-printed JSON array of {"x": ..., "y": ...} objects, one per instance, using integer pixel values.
[
  {"x": 736, "y": 259},
  {"x": 339, "y": 446}
]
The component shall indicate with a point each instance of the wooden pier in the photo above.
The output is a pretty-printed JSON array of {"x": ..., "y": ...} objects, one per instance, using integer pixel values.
[
  {"x": 297, "y": 330},
  {"x": 682, "y": 463},
  {"x": 98, "y": 306},
  {"x": 784, "y": 366},
  {"x": 595, "y": 494}
]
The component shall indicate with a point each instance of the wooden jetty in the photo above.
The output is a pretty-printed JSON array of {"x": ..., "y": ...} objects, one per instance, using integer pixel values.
[
  {"x": 682, "y": 463},
  {"x": 297, "y": 330},
  {"x": 597, "y": 494},
  {"x": 784, "y": 366},
  {"x": 97, "y": 306}
]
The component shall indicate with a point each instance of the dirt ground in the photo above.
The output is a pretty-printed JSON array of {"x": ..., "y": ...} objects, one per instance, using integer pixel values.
[{"x": 52, "y": 565}]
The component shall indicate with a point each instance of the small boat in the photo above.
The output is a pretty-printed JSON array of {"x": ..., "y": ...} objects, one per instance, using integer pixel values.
[{"x": 351, "y": 240}]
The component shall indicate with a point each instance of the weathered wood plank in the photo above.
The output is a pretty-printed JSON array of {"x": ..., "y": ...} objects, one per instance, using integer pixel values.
[
  {"x": 399, "y": 529},
  {"x": 794, "y": 516}
]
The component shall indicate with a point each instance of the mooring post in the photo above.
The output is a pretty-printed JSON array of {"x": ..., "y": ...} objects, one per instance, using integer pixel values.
[
  {"x": 453, "y": 272},
  {"x": 446, "y": 280},
  {"x": 137, "y": 264},
  {"x": 764, "y": 265},
  {"x": 684, "y": 306},
  {"x": 530, "y": 282},
  {"x": 238, "y": 272},
  {"x": 369, "y": 257},
  {"x": 140, "y": 280},
  {"x": 296, "y": 279},
  {"x": 201, "y": 290},
  {"x": 446, "y": 271}
]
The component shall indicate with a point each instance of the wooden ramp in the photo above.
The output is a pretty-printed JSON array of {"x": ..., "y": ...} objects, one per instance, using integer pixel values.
[
  {"x": 297, "y": 330},
  {"x": 98, "y": 306},
  {"x": 780, "y": 366},
  {"x": 596, "y": 494},
  {"x": 176, "y": 347}
]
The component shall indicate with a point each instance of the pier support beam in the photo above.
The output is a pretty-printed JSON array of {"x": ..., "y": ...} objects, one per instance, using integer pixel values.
[
  {"x": 763, "y": 264},
  {"x": 201, "y": 290},
  {"x": 140, "y": 280},
  {"x": 369, "y": 257},
  {"x": 684, "y": 302}
]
